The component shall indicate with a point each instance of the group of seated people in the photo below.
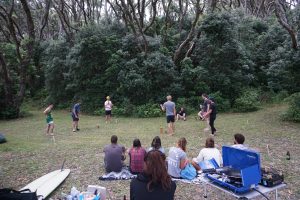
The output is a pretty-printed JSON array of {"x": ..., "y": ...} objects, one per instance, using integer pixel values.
[{"x": 154, "y": 170}]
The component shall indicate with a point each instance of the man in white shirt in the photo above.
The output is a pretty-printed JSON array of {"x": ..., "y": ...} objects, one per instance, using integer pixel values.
[{"x": 239, "y": 140}]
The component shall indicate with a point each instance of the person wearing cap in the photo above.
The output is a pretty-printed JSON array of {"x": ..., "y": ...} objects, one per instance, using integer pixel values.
[{"x": 108, "y": 106}]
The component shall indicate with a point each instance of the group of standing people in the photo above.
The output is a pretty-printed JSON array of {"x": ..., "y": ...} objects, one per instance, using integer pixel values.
[
  {"x": 208, "y": 113},
  {"x": 75, "y": 115}
]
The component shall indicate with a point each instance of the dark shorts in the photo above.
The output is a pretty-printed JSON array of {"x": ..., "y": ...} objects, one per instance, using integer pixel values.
[
  {"x": 75, "y": 118},
  {"x": 170, "y": 118},
  {"x": 108, "y": 112}
]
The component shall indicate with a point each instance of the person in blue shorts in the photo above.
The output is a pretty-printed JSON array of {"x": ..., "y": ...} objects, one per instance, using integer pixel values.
[
  {"x": 75, "y": 116},
  {"x": 170, "y": 109},
  {"x": 49, "y": 120}
]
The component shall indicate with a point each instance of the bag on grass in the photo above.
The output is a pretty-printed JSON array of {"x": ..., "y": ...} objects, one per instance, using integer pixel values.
[
  {"x": 189, "y": 172},
  {"x": 2, "y": 138},
  {"x": 10, "y": 194}
]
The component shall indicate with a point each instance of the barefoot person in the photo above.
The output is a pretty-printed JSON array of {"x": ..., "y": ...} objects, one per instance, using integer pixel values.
[
  {"x": 49, "y": 120},
  {"x": 108, "y": 106},
  {"x": 169, "y": 107},
  {"x": 75, "y": 116}
]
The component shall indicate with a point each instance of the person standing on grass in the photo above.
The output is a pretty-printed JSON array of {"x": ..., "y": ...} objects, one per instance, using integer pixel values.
[
  {"x": 205, "y": 109},
  {"x": 75, "y": 116},
  {"x": 49, "y": 120},
  {"x": 169, "y": 107},
  {"x": 211, "y": 114},
  {"x": 108, "y": 106}
]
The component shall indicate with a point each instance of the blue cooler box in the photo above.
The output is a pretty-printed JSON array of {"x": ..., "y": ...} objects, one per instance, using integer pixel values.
[{"x": 246, "y": 162}]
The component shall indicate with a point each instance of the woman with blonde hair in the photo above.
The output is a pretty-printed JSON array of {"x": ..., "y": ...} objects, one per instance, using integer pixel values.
[
  {"x": 108, "y": 106},
  {"x": 177, "y": 159}
]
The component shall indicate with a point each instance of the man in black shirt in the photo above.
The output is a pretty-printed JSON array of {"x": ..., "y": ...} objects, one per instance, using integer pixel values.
[{"x": 212, "y": 112}]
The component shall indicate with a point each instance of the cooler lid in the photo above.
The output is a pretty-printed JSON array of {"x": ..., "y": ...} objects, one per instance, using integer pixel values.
[{"x": 239, "y": 159}]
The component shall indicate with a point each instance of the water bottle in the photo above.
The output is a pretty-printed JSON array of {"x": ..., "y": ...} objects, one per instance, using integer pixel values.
[{"x": 288, "y": 155}]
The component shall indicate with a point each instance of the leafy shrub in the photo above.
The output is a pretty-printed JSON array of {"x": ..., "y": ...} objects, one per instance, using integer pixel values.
[
  {"x": 247, "y": 102},
  {"x": 293, "y": 112},
  {"x": 280, "y": 96},
  {"x": 223, "y": 104},
  {"x": 148, "y": 110}
]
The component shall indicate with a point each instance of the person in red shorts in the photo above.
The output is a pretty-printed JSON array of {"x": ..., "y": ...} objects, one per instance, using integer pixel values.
[{"x": 136, "y": 155}]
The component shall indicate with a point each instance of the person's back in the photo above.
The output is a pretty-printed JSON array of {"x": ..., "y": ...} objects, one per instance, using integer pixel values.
[
  {"x": 170, "y": 106},
  {"x": 114, "y": 156},
  {"x": 139, "y": 185},
  {"x": 176, "y": 154},
  {"x": 209, "y": 153},
  {"x": 154, "y": 182},
  {"x": 137, "y": 159}
]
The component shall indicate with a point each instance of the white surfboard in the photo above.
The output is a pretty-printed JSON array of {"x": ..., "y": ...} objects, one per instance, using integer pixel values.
[{"x": 47, "y": 183}]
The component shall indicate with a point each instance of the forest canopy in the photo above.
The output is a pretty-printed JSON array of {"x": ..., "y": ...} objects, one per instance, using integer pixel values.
[{"x": 138, "y": 51}]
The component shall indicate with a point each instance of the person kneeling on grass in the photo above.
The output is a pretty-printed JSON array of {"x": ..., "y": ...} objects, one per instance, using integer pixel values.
[
  {"x": 136, "y": 154},
  {"x": 177, "y": 159},
  {"x": 154, "y": 182},
  {"x": 181, "y": 114},
  {"x": 207, "y": 153},
  {"x": 114, "y": 155}
]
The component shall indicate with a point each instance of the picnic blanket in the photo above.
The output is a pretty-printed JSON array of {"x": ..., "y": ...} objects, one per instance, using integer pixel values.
[
  {"x": 197, "y": 180},
  {"x": 124, "y": 174}
]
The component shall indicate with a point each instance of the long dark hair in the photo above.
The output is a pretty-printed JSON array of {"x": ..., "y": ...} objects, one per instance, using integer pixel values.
[
  {"x": 156, "y": 142},
  {"x": 155, "y": 168}
]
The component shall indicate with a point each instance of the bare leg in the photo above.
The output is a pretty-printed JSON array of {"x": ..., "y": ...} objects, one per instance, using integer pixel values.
[
  {"x": 47, "y": 129},
  {"x": 51, "y": 128}
]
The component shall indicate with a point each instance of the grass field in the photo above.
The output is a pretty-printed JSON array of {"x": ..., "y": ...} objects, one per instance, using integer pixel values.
[{"x": 29, "y": 153}]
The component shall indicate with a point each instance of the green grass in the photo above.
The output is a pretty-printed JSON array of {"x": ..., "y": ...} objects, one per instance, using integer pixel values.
[{"x": 29, "y": 153}]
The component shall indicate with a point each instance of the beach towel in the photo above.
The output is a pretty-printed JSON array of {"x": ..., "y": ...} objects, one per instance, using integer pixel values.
[{"x": 124, "y": 174}]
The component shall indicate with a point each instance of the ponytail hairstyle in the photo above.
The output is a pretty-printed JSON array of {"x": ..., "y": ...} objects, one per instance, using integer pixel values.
[{"x": 182, "y": 143}]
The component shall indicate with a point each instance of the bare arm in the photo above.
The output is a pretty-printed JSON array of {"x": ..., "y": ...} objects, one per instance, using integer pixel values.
[{"x": 183, "y": 163}]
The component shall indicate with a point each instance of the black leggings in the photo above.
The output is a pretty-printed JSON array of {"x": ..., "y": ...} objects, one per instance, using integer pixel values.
[{"x": 212, "y": 124}]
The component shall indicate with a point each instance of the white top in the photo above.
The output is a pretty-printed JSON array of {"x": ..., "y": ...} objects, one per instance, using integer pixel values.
[
  {"x": 239, "y": 146},
  {"x": 209, "y": 153},
  {"x": 108, "y": 105}
]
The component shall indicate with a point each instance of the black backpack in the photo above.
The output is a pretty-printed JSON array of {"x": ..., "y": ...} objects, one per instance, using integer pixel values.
[
  {"x": 2, "y": 138},
  {"x": 10, "y": 194}
]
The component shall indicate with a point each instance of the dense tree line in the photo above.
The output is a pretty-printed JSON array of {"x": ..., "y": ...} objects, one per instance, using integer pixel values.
[{"x": 138, "y": 51}]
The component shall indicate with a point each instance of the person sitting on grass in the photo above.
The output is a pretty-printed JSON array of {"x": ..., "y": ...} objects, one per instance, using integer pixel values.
[
  {"x": 207, "y": 153},
  {"x": 154, "y": 182},
  {"x": 136, "y": 155},
  {"x": 177, "y": 159},
  {"x": 239, "y": 140},
  {"x": 114, "y": 155},
  {"x": 156, "y": 145},
  {"x": 181, "y": 114},
  {"x": 49, "y": 120}
]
